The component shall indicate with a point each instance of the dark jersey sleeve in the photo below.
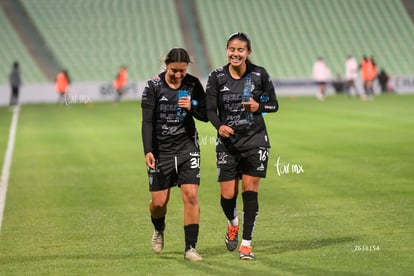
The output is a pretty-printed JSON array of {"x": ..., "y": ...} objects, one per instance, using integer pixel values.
[
  {"x": 147, "y": 129},
  {"x": 268, "y": 101},
  {"x": 199, "y": 110},
  {"x": 211, "y": 100},
  {"x": 147, "y": 105}
]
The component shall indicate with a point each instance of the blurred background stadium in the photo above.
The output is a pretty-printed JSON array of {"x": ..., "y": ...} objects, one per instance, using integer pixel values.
[
  {"x": 76, "y": 200},
  {"x": 92, "y": 38}
]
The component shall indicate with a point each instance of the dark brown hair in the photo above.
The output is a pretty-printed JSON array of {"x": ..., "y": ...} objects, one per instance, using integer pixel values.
[
  {"x": 240, "y": 36},
  {"x": 177, "y": 55}
]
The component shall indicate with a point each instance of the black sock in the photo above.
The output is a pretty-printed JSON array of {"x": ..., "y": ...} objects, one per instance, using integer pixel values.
[
  {"x": 250, "y": 212},
  {"x": 229, "y": 207},
  {"x": 159, "y": 223},
  {"x": 191, "y": 235}
]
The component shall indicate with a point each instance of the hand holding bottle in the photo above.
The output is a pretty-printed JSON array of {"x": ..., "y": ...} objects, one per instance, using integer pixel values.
[
  {"x": 251, "y": 105},
  {"x": 184, "y": 102}
]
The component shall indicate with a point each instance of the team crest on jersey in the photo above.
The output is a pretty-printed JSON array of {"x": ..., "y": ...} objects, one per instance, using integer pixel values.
[{"x": 221, "y": 158}]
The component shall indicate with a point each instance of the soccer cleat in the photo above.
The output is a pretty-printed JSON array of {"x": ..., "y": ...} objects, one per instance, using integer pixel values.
[
  {"x": 231, "y": 238},
  {"x": 246, "y": 253},
  {"x": 192, "y": 255},
  {"x": 157, "y": 241}
]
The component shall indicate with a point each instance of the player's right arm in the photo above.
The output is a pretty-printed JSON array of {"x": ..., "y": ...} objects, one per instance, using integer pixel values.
[
  {"x": 150, "y": 160},
  {"x": 212, "y": 93},
  {"x": 212, "y": 100},
  {"x": 147, "y": 130}
]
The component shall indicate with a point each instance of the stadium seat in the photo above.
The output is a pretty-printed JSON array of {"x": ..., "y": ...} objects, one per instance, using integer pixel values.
[
  {"x": 92, "y": 38},
  {"x": 11, "y": 50}
]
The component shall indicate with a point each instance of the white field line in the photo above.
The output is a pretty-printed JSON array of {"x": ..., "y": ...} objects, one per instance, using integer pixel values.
[{"x": 5, "y": 172}]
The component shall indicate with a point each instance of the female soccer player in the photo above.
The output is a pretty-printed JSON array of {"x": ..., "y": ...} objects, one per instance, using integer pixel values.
[
  {"x": 172, "y": 155},
  {"x": 242, "y": 142}
]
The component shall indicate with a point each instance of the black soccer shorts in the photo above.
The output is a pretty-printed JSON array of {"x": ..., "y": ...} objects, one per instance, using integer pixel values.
[
  {"x": 231, "y": 165},
  {"x": 174, "y": 171}
]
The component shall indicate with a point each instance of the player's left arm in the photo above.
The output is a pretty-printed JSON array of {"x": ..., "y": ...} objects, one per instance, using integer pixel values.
[
  {"x": 268, "y": 100},
  {"x": 198, "y": 105}
]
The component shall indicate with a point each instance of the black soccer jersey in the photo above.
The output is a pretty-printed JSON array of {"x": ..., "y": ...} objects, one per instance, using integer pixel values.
[
  {"x": 163, "y": 130},
  {"x": 224, "y": 107}
]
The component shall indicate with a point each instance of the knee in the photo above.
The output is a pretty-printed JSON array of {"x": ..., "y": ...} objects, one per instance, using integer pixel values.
[
  {"x": 191, "y": 199},
  {"x": 158, "y": 203}
]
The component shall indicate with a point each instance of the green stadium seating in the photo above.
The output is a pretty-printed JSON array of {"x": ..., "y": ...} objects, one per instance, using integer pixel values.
[
  {"x": 92, "y": 38},
  {"x": 12, "y": 49},
  {"x": 288, "y": 36}
]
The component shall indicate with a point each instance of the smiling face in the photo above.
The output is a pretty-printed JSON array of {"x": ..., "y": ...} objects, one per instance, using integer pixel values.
[
  {"x": 237, "y": 52},
  {"x": 175, "y": 72}
]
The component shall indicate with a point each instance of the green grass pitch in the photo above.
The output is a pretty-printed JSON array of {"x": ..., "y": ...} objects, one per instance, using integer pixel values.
[{"x": 338, "y": 197}]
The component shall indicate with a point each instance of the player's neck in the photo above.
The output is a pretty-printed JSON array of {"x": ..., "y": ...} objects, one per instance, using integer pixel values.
[
  {"x": 237, "y": 72},
  {"x": 172, "y": 84}
]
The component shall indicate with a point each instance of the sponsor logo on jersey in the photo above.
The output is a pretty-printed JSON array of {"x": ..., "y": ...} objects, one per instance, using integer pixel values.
[
  {"x": 261, "y": 168},
  {"x": 163, "y": 99},
  {"x": 219, "y": 75},
  {"x": 171, "y": 130},
  {"x": 225, "y": 88}
]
